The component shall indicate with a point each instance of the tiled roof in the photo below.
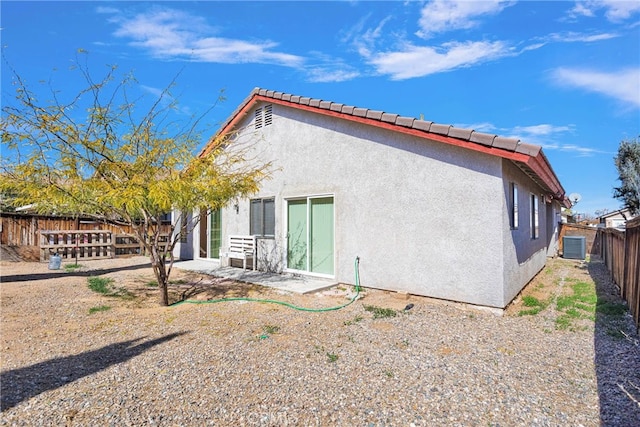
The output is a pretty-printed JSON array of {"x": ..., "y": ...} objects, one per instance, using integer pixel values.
[
  {"x": 490, "y": 140},
  {"x": 528, "y": 157}
]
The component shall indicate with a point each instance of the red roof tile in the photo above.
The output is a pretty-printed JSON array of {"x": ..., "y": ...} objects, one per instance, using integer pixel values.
[{"x": 528, "y": 157}]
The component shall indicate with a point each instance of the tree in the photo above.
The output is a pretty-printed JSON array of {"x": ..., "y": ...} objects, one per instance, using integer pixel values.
[
  {"x": 96, "y": 155},
  {"x": 628, "y": 164}
]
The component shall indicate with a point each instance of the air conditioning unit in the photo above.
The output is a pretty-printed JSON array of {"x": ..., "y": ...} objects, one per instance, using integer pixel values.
[{"x": 574, "y": 247}]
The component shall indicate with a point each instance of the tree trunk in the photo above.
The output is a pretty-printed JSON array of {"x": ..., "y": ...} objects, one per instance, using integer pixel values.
[{"x": 160, "y": 271}]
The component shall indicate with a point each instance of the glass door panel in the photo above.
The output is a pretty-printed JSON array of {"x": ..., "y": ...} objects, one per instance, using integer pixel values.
[
  {"x": 215, "y": 233},
  {"x": 310, "y": 235},
  {"x": 297, "y": 234},
  {"x": 321, "y": 221}
]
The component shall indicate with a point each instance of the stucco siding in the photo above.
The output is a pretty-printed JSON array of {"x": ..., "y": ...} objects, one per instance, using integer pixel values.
[
  {"x": 423, "y": 217},
  {"x": 524, "y": 256}
]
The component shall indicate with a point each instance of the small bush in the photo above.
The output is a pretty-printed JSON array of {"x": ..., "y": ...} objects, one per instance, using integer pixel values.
[
  {"x": 104, "y": 286},
  {"x": 101, "y": 285},
  {"x": 332, "y": 357},
  {"x": 531, "y": 312},
  {"x": 355, "y": 320},
  {"x": 270, "y": 329},
  {"x": 536, "y": 306},
  {"x": 529, "y": 301},
  {"x": 379, "y": 312},
  {"x": 99, "y": 308}
]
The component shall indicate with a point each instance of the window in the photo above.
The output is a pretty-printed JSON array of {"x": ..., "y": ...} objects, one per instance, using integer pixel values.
[
  {"x": 534, "y": 217},
  {"x": 263, "y": 116},
  {"x": 263, "y": 217},
  {"x": 513, "y": 208}
]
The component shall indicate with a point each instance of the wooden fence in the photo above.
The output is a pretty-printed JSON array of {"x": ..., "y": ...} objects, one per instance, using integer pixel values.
[
  {"x": 592, "y": 241},
  {"x": 93, "y": 244},
  {"x": 620, "y": 251},
  {"x": 71, "y": 238}
]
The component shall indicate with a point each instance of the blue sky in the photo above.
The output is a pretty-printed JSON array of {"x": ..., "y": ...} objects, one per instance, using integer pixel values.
[{"x": 564, "y": 75}]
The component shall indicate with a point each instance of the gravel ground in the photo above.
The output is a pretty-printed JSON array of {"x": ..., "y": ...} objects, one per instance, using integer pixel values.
[{"x": 239, "y": 363}]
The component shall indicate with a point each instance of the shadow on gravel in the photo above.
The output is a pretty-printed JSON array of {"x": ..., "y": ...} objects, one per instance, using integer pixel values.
[
  {"x": 617, "y": 353},
  {"x": 58, "y": 273},
  {"x": 216, "y": 288},
  {"x": 21, "y": 384}
]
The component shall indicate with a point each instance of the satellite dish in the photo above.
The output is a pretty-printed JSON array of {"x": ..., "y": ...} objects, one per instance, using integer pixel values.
[{"x": 575, "y": 198}]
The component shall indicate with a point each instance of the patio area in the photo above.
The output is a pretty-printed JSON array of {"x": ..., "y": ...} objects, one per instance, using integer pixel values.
[{"x": 285, "y": 281}]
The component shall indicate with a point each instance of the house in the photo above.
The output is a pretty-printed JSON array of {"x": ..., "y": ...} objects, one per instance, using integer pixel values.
[
  {"x": 615, "y": 219},
  {"x": 429, "y": 209}
]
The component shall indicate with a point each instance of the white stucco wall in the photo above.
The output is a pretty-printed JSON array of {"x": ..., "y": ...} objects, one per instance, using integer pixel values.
[{"x": 423, "y": 217}]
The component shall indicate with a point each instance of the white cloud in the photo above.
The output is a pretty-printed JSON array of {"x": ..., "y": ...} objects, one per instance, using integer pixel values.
[
  {"x": 329, "y": 74},
  {"x": 363, "y": 40},
  {"x": 444, "y": 15},
  {"x": 571, "y": 37},
  {"x": 484, "y": 127},
  {"x": 545, "y": 135},
  {"x": 623, "y": 85},
  {"x": 549, "y": 137},
  {"x": 417, "y": 61},
  {"x": 614, "y": 10},
  {"x": 580, "y": 151},
  {"x": 173, "y": 34},
  {"x": 541, "y": 130}
]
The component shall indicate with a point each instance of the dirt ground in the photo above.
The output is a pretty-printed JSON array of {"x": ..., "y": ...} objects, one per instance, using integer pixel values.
[
  {"x": 68, "y": 354},
  {"x": 138, "y": 280}
]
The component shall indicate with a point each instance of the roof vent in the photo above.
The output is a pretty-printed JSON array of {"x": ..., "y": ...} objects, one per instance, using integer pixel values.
[
  {"x": 258, "y": 118},
  {"x": 268, "y": 114}
]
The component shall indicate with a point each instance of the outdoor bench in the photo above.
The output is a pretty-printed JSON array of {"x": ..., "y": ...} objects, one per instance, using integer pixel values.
[{"x": 241, "y": 247}]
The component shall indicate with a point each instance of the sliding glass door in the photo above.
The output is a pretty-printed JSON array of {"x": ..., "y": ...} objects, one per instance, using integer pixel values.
[
  {"x": 310, "y": 235},
  {"x": 210, "y": 233}
]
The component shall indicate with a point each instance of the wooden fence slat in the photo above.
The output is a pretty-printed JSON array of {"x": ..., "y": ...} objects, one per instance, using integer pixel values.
[
  {"x": 22, "y": 229},
  {"x": 620, "y": 251},
  {"x": 97, "y": 244},
  {"x": 88, "y": 238}
]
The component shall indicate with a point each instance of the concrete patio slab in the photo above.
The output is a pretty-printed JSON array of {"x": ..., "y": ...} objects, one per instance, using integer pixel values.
[{"x": 285, "y": 282}]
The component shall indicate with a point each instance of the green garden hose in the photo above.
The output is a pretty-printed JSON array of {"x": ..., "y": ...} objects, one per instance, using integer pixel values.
[{"x": 286, "y": 304}]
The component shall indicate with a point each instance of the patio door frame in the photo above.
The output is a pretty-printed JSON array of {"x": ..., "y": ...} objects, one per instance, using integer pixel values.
[
  {"x": 207, "y": 234},
  {"x": 309, "y": 256}
]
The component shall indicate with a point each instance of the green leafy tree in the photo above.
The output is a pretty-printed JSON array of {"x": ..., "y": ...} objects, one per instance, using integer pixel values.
[
  {"x": 628, "y": 164},
  {"x": 95, "y": 154}
]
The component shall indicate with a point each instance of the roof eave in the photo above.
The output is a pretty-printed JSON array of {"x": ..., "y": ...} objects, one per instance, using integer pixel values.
[{"x": 527, "y": 155}]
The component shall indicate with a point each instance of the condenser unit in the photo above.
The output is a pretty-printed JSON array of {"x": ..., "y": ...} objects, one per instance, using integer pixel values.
[{"x": 574, "y": 247}]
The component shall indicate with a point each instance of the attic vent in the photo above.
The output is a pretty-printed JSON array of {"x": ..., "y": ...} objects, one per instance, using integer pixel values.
[
  {"x": 263, "y": 116},
  {"x": 267, "y": 114},
  {"x": 258, "y": 118}
]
